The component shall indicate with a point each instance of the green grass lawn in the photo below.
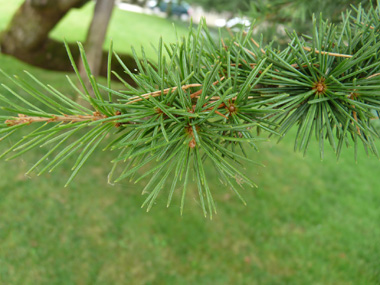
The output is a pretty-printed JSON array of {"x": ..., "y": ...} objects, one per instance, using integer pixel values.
[
  {"x": 126, "y": 29},
  {"x": 309, "y": 222}
]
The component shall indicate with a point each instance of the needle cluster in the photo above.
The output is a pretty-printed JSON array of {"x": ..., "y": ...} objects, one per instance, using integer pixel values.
[{"x": 204, "y": 101}]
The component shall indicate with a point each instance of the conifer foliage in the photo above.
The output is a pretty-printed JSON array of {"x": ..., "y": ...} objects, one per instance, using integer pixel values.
[{"x": 204, "y": 101}]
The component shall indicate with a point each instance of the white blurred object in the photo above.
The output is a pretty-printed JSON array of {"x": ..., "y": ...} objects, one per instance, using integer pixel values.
[
  {"x": 220, "y": 23},
  {"x": 238, "y": 22}
]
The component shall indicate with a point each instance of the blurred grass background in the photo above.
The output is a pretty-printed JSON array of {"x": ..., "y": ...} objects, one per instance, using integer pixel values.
[{"x": 309, "y": 222}]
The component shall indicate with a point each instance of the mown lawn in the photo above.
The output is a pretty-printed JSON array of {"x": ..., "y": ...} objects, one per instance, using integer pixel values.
[
  {"x": 126, "y": 30},
  {"x": 309, "y": 222}
]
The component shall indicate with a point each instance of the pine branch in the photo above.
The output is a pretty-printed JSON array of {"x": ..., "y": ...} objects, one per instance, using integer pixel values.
[
  {"x": 204, "y": 101},
  {"x": 23, "y": 119}
]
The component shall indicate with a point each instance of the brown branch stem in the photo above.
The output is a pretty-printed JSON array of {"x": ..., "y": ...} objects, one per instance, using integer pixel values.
[
  {"x": 373, "y": 75},
  {"x": 159, "y": 93},
  {"x": 255, "y": 43},
  {"x": 199, "y": 92},
  {"x": 247, "y": 50},
  {"x": 328, "y": 53},
  {"x": 24, "y": 119}
]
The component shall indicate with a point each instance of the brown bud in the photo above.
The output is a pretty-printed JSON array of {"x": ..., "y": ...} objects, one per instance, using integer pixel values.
[
  {"x": 231, "y": 108},
  {"x": 11, "y": 123},
  {"x": 192, "y": 143}
]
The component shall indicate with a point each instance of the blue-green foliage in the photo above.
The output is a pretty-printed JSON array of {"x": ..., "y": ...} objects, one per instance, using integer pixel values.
[{"x": 204, "y": 101}]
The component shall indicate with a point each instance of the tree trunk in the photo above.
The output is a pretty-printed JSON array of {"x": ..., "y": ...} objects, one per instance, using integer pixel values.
[
  {"x": 26, "y": 37},
  {"x": 31, "y": 24},
  {"x": 52, "y": 55},
  {"x": 169, "y": 9},
  {"x": 96, "y": 35}
]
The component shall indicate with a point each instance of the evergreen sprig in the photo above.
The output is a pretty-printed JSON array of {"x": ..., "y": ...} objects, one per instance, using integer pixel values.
[{"x": 204, "y": 101}]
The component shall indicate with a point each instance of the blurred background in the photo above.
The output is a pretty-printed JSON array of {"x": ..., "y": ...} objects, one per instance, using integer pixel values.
[{"x": 309, "y": 222}]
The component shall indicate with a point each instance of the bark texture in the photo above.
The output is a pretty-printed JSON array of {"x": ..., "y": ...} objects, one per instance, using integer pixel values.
[
  {"x": 32, "y": 22},
  {"x": 97, "y": 33},
  {"x": 26, "y": 37},
  {"x": 52, "y": 55}
]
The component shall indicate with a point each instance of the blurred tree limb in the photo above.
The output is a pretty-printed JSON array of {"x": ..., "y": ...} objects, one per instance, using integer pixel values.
[
  {"x": 32, "y": 23},
  {"x": 27, "y": 35},
  {"x": 96, "y": 35}
]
